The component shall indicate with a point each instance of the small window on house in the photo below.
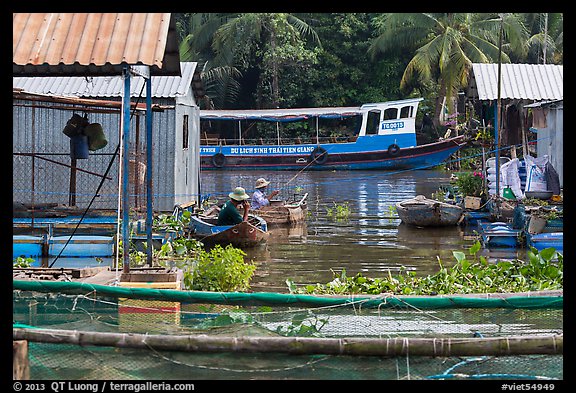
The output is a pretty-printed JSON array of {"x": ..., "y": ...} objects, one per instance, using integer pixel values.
[
  {"x": 391, "y": 114},
  {"x": 185, "y": 132},
  {"x": 406, "y": 112}
]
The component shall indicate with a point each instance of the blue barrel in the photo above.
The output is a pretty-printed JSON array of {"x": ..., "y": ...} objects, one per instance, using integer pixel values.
[{"x": 79, "y": 147}]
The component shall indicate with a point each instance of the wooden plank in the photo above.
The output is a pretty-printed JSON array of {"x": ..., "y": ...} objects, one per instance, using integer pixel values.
[
  {"x": 148, "y": 277},
  {"x": 73, "y": 272}
]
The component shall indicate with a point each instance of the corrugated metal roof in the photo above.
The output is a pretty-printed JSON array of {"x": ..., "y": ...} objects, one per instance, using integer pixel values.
[
  {"x": 108, "y": 86},
  {"x": 93, "y": 43},
  {"x": 519, "y": 81}
]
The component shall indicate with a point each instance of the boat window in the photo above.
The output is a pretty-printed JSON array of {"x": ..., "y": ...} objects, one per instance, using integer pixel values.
[
  {"x": 391, "y": 114},
  {"x": 406, "y": 111},
  {"x": 373, "y": 122}
]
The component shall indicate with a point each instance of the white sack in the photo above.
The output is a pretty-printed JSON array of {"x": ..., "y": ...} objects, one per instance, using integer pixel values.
[{"x": 536, "y": 173}]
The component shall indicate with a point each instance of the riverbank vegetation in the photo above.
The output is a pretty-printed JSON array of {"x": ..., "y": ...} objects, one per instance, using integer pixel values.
[{"x": 291, "y": 60}]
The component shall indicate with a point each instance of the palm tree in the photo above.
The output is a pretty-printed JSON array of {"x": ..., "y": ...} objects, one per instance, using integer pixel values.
[
  {"x": 546, "y": 32},
  {"x": 219, "y": 76},
  {"x": 445, "y": 46},
  {"x": 264, "y": 41}
]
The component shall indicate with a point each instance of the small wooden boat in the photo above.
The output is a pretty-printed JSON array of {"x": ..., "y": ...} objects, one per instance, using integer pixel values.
[
  {"x": 246, "y": 234},
  {"x": 424, "y": 212},
  {"x": 280, "y": 213}
]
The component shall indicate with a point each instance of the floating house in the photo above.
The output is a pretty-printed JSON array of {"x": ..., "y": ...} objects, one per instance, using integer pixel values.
[
  {"x": 56, "y": 162},
  {"x": 549, "y": 128},
  {"x": 531, "y": 97},
  {"x": 175, "y": 161}
]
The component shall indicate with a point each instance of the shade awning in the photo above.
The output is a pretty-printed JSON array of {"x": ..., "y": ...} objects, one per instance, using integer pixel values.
[{"x": 281, "y": 115}]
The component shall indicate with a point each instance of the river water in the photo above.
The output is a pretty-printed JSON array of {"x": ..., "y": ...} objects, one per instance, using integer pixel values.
[{"x": 372, "y": 240}]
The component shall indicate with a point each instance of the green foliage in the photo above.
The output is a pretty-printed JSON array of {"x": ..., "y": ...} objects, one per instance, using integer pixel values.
[
  {"x": 22, "y": 262},
  {"x": 219, "y": 270},
  {"x": 534, "y": 202},
  {"x": 303, "y": 325},
  {"x": 439, "y": 196},
  {"x": 470, "y": 183},
  {"x": 171, "y": 223},
  {"x": 542, "y": 271},
  {"x": 339, "y": 211},
  {"x": 363, "y": 57},
  {"x": 471, "y": 159}
]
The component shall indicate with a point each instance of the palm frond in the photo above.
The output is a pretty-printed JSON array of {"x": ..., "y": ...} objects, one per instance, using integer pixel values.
[{"x": 304, "y": 29}]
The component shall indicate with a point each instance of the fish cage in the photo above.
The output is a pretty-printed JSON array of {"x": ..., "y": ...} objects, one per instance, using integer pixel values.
[{"x": 81, "y": 331}]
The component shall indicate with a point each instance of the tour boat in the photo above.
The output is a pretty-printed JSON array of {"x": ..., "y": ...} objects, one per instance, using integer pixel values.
[{"x": 371, "y": 136}]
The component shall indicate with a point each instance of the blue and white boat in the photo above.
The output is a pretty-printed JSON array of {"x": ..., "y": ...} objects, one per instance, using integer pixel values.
[
  {"x": 541, "y": 241},
  {"x": 371, "y": 136}
]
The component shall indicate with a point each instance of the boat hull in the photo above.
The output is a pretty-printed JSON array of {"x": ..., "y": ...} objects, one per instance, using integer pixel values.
[
  {"x": 242, "y": 235},
  {"x": 546, "y": 240},
  {"x": 426, "y": 212},
  {"x": 280, "y": 213},
  {"x": 339, "y": 156}
]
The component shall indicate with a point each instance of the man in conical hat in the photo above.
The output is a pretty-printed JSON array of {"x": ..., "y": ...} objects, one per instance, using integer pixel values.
[{"x": 259, "y": 197}]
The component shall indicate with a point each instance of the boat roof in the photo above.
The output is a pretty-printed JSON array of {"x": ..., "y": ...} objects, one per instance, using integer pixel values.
[{"x": 295, "y": 114}]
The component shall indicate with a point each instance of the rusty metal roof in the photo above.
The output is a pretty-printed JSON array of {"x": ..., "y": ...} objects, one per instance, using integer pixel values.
[
  {"x": 518, "y": 81},
  {"x": 93, "y": 44}
]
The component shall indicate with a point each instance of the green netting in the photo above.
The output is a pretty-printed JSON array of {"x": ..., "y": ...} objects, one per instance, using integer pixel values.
[
  {"x": 66, "y": 362},
  {"x": 283, "y": 336}
]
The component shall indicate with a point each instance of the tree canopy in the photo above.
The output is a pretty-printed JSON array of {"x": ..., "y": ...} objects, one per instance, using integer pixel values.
[{"x": 267, "y": 60}]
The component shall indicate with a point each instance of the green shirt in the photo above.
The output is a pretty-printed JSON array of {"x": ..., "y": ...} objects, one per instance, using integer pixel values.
[{"x": 229, "y": 215}]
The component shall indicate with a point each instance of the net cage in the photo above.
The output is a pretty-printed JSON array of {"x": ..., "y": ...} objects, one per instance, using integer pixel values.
[{"x": 80, "y": 331}]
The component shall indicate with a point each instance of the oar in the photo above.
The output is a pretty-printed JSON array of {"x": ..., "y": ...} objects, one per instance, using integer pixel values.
[{"x": 303, "y": 198}]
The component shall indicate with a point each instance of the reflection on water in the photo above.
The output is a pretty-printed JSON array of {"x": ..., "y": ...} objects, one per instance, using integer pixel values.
[{"x": 372, "y": 241}]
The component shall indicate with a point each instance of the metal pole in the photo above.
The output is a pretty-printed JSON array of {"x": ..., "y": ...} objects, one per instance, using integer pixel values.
[
  {"x": 149, "y": 170},
  {"x": 545, "y": 38},
  {"x": 497, "y": 114},
  {"x": 135, "y": 187},
  {"x": 125, "y": 166}
]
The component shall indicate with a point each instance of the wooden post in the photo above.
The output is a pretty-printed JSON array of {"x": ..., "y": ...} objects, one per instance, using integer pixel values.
[
  {"x": 72, "y": 189},
  {"x": 20, "y": 364}
]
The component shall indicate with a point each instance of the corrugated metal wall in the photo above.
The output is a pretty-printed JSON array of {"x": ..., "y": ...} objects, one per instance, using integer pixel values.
[
  {"x": 551, "y": 139},
  {"x": 39, "y": 130}
]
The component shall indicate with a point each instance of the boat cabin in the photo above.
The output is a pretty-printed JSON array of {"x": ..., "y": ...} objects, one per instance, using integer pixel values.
[{"x": 310, "y": 125}]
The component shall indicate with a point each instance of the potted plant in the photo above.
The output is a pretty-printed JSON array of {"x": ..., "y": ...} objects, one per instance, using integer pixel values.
[{"x": 471, "y": 186}]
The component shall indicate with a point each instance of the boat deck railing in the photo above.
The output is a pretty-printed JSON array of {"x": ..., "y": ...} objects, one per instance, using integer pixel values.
[{"x": 214, "y": 140}]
